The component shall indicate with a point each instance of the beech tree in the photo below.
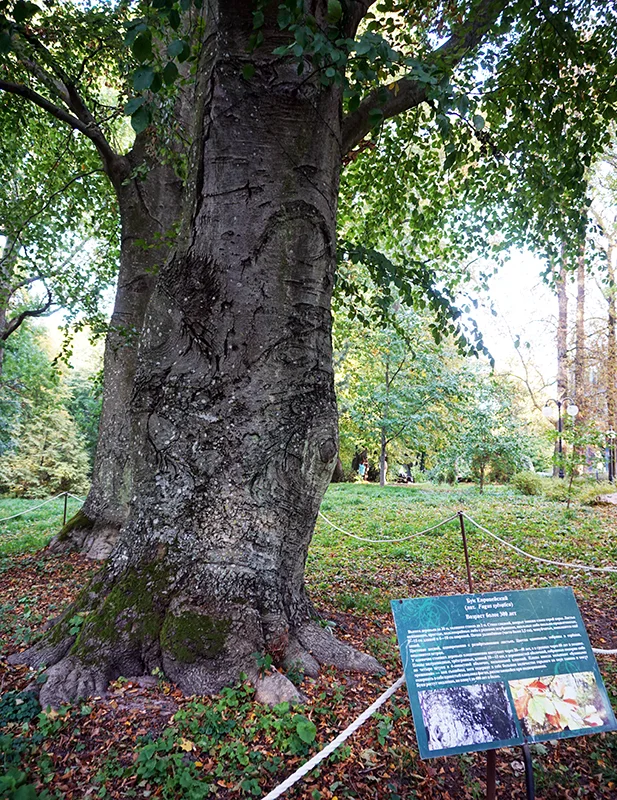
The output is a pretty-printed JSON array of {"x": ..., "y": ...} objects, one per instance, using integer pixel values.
[{"x": 235, "y": 433}]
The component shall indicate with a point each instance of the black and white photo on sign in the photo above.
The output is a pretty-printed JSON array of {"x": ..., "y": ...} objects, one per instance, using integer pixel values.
[{"x": 464, "y": 715}]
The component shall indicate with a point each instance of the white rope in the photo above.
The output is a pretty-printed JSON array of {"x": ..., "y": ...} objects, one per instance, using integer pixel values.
[
  {"x": 74, "y": 496},
  {"x": 379, "y": 541},
  {"x": 538, "y": 558},
  {"x": 604, "y": 652},
  {"x": 33, "y": 508},
  {"x": 330, "y": 748}
]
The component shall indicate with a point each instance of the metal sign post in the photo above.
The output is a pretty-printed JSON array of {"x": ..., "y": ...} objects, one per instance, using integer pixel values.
[{"x": 491, "y": 755}]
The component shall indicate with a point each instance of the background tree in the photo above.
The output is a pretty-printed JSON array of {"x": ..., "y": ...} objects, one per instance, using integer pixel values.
[
  {"x": 43, "y": 450},
  {"x": 490, "y": 438},
  {"x": 395, "y": 388}
]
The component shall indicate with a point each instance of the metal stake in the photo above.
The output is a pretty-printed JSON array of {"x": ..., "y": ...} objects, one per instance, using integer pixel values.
[
  {"x": 66, "y": 498},
  {"x": 529, "y": 781},
  {"x": 491, "y": 761},
  {"x": 491, "y": 755},
  {"x": 461, "y": 519}
]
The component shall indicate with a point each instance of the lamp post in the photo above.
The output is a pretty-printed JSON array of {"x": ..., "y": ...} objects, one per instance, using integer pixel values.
[
  {"x": 611, "y": 435},
  {"x": 571, "y": 411}
]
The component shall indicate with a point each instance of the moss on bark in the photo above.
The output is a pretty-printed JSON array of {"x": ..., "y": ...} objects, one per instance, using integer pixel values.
[
  {"x": 132, "y": 610},
  {"x": 78, "y": 521},
  {"x": 193, "y": 636}
]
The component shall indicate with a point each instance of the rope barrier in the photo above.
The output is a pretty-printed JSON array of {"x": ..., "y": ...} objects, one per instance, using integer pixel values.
[
  {"x": 74, "y": 496},
  {"x": 538, "y": 558},
  {"x": 40, "y": 505},
  {"x": 33, "y": 508},
  {"x": 330, "y": 748},
  {"x": 379, "y": 541}
]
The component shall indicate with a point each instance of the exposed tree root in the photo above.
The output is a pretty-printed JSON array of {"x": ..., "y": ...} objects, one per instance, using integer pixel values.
[
  {"x": 142, "y": 620},
  {"x": 84, "y": 535},
  {"x": 326, "y": 649},
  {"x": 70, "y": 679}
]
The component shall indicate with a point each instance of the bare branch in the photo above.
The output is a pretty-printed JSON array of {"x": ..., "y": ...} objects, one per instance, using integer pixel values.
[{"x": 408, "y": 92}]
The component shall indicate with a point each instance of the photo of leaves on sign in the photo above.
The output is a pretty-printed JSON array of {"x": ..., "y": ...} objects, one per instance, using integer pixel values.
[{"x": 558, "y": 703}]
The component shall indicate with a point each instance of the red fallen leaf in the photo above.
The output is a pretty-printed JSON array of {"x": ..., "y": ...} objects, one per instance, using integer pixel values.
[
  {"x": 538, "y": 685},
  {"x": 521, "y": 705},
  {"x": 570, "y": 702}
]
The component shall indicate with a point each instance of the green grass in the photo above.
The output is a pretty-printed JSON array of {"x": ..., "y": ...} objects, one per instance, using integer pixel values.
[
  {"x": 363, "y": 576},
  {"x": 31, "y": 531}
]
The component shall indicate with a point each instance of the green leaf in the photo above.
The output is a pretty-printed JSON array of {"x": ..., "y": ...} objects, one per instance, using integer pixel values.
[
  {"x": 142, "y": 46},
  {"x": 478, "y": 122},
  {"x": 27, "y": 792},
  {"x": 174, "y": 19},
  {"x": 335, "y": 11},
  {"x": 140, "y": 119},
  {"x": 5, "y": 42},
  {"x": 284, "y": 17},
  {"x": 375, "y": 116},
  {"x": 157, "y": 83},
  {"x": 258, "y": 19},
  {"x": 248, "y": 70},
  {"x": 133, "y": 31},
  {"x": 178, "y": 49},
  {"x": 306, "y": 730},
  {"x": 170, "y": 73},
  {"x": 24, "y": 10},
  {"x": 142, "y": 78},
  {"x": 133, "y": 104}
]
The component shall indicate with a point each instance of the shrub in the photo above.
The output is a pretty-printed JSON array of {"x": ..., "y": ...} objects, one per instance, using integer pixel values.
[{"x": 527, "y": 482}]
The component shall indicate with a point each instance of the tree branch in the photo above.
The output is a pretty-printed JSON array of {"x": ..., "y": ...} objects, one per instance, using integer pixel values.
[
  {"x": 14, "y": 323},
  {"x": 90, "y": 129},
  {"x": 408, "y": 92},
  {"x": 354, "y": 14}
]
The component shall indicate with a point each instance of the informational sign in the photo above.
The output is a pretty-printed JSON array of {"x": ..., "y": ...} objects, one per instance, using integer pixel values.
[{"x": 494, "y": 670}]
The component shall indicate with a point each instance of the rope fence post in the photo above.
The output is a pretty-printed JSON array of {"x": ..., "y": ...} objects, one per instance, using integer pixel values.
[
  {"x": 66, "y": 500},
  {"x": 461, "y": 519}
]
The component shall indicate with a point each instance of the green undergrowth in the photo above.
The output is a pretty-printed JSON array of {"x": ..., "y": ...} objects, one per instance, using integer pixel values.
[
  {"x": 230, "y": 746},
  {"x": 228, "y": 741}
]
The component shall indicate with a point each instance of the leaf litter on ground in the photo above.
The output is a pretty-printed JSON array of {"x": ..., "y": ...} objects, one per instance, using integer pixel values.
[{"x": 145, "y": 739}]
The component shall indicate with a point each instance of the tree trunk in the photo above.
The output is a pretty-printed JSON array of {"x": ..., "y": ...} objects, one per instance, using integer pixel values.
[
  {"x": 562, "y": 342},
  {"x": 580, "y": 359},
  {"x": 611, "y": 361},
  {"x": 383, "y": 463},
  {"x": 236, "y": 423},
  {"x": 149, "y": 208},
  {"x": 580, "y": 363}
]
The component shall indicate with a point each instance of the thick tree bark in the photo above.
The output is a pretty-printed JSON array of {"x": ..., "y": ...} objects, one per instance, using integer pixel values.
[
  {"x": 149, "y": 208},
  {"x": 236, "y": 423}
]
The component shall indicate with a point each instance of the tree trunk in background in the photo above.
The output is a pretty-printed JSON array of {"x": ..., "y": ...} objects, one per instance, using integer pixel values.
[
  {"x": 611, "y": 359},
  {"x": 236, "y": 423},
  {"x": 149, "y": 208},
  {"x": 562, "y": 340},
  {"x": 580, "y": 361},
  {"x": 383, "y": 463}
]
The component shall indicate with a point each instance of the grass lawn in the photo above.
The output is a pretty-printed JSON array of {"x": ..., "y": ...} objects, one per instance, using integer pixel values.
[{"x": 146, "y": 740}]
